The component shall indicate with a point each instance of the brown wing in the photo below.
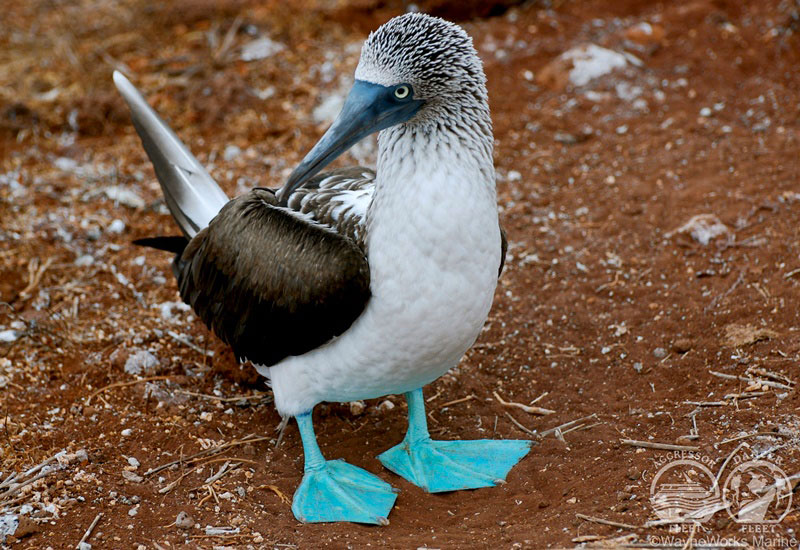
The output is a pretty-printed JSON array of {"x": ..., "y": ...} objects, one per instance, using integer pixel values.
[{"x": 270, "y": 283}]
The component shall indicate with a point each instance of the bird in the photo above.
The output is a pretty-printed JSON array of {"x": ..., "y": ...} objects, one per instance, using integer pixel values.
[{"x": 357, "y": 283}]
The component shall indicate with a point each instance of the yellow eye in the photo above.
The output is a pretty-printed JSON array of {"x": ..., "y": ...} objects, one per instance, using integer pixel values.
[{"x": 401, "y": 92}]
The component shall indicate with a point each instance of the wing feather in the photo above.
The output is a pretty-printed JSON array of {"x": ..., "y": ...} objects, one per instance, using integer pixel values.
[
  {"x": 270, "y": 283},
  {"x": 338, "y": 199}
]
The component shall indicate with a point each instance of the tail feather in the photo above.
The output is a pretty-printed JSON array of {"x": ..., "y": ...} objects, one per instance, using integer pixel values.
[
  {"x": 170, "y": 244},
  {"x": 192, "y": 196}
]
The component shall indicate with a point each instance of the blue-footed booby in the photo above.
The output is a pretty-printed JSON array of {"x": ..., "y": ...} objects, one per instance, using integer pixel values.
[{"x": 355, "y": 284}]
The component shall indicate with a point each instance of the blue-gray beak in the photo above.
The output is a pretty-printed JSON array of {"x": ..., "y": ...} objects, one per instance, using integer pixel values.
[{"x": 369, "y": 108}]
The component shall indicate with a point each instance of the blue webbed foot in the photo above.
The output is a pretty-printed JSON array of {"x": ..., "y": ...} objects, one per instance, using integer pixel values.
[
  {"x": 338, "y": 491},
  {"x": 333, "y": 490},
  {"x": 438, "y": 466}
]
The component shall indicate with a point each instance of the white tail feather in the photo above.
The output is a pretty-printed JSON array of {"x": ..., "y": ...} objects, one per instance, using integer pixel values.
[{"x": 192, "y": 196}]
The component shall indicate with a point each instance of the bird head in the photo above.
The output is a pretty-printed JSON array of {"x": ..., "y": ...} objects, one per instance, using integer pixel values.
[{"x": 411, "y": 68}]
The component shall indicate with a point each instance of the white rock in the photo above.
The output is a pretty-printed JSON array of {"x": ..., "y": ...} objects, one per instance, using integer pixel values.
[
  {"x": 357, "y": 407},
  {"x": 141, "y": 361},
  {"x": 260, "y": 48},
  {"x": 184, "y": 521},
  {"x": 133, "y": 462},
  {"x": 166, "y": 310},
  {"x": 221, "y": 531},
  {"x": 84, "y": 261},
  {"x": 8, "y": 336},
  {"x": 130, "y": 476},
  {"x": 703, "y": 228},
  {"x": 126, "y": 432},
  {"x": 8, "y": 525},
  {"x": 231, "y": 152},
  {"x": 591, "y": 61},
  {"x": 66, "y": 164},
  {"x": 116, "y": 227},
  {"x": 123, "y": 195}
]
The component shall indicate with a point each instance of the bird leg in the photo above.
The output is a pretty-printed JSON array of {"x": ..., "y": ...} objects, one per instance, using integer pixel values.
[
  {"x": 333, "y": 490},
  {"x": 439, "y": 466}
]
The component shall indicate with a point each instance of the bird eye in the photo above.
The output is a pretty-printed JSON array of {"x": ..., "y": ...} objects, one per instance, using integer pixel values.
[{"x": 402, "y": 92}]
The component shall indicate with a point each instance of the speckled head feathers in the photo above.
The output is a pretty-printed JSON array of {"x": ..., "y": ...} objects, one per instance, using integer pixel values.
[{"x": 433, "y": 55}]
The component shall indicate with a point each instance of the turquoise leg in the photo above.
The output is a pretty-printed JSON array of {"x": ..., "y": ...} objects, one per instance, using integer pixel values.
[
  {"x": 333, "y": 490},
  {"x": 439, "y": 466}
]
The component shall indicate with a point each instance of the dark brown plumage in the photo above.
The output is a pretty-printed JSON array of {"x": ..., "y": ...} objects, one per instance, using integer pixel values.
[{"x": 269, "y": 283}]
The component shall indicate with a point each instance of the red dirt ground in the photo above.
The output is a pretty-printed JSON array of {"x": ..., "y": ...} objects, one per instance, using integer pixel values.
[{"x": 604, "y": 308}]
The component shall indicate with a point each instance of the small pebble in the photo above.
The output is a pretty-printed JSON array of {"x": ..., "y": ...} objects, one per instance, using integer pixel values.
[
  {"x": 184, "y": 521},
  {"x": 132, "y": 477},
  {"x": 8, "y": 336},
  {"x": 357, "y": 407},
  {"x": 659, "y": 353},
  {"x": 84, "y": 261},
  {"x": 638, "y": 367},
  {"x": 126, "y": 432},
  {"x": 133, "y": 462},
  {"x": 386, "y": 405},
  {"x": 133, "y": 511},
  {"x": 84, "y": 546},
  {"x": 231, "y": 152},
  {"x": 682, "y": 345},
  {"x": 140, "y": 362},
  {"x": 116, "y": 227}
]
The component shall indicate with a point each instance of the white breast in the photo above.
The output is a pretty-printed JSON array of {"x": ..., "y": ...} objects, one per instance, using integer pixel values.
[{"x": 434, "y": 251}]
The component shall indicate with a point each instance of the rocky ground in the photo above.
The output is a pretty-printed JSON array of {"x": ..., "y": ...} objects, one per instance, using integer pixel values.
[{"x": 648, "y": 160}]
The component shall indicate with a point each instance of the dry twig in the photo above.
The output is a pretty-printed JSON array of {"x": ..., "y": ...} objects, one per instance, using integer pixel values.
[
  {"x": 88, "y": 532},
  {"x": 607, "y": 522},
  {"x": 527, "y": 408},
  {"x": 659, "y": 446}
]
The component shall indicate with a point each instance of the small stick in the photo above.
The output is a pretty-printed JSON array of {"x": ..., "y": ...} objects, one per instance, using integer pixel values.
[
  {"x": 282, "y": 425},
  {"x": 607, "y": 522},
  {"x": 457, "y": 401},
  {"x": 210, "y": 451},
  {"x": 756, "y": 434},
  {"x": 659, "y": 446},
  {"x": 527, "y": 408},
  {"x": 792, "y": 273},
  {"x": 277, "y": 491},
  {"x": 17, "y": 488},
  {"x": 545, "y": 394},
  {"x": 728, "y": 459},
  {"x": 706, "y": 403},
  {"x": 567, "y": 425},
  {"x": 222, "y": 399},
  {"x": 178, "y": 338},
  {"x": 767, "y": 383},
  {"x": 35, "y": 276},
  {"x": 520, "y": 426},
  {"x": 747, "y": 395},
  {"x": 769, "y": 374},
  {"x": 88, "y": 532},
  {"x": 123, "y": 384},
  {"x": 432, "y": 397},
  {"x": 222, "y": 471}
]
